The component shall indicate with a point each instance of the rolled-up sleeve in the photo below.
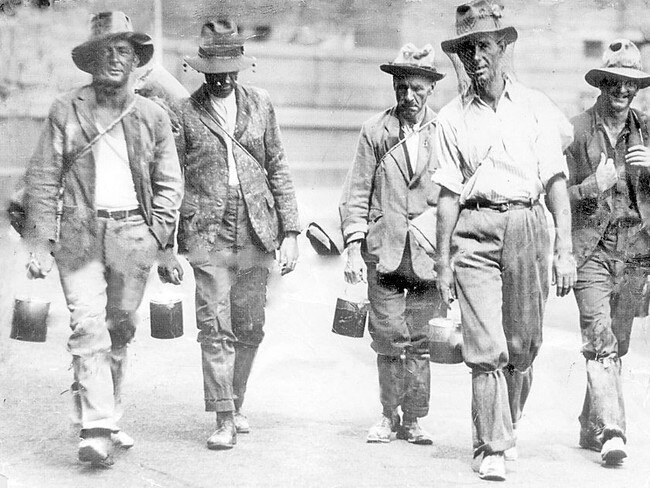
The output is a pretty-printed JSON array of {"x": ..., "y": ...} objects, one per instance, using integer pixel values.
[
  {"x": 447, "y": 157},
  {"x": 555, "y": 133}
]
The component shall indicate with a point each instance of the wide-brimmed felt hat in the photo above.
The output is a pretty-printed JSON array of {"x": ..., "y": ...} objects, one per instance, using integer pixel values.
[
  {"x": 476, "y": 18},
  {"x": 221, "y": 49},
  {"x": 621, "y": 60},
  {"x": 107, "y": 26},
  {"x": 413, "y": 61}
]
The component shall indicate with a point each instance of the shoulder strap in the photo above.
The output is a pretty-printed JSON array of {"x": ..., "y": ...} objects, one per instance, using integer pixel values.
[
  {"x": 232, "y": 138},
  {"x": 403, "y": 140}
]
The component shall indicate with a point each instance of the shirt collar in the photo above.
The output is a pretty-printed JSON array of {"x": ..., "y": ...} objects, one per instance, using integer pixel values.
[
  {"x": 512, "y": 91},
  {"x": 600, "y": 124}
]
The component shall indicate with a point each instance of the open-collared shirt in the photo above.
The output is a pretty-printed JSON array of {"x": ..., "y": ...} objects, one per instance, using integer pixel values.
[
  {"x": 226, "y": 110},
  {"x": 503, "y": 155}
]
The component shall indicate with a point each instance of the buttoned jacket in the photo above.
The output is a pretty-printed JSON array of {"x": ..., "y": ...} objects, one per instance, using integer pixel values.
[
  {"x": 266, "y": 183},
  {"x": 591, "y": 209},
  {"x": 68, "y": 128},
  {"x": 380, "y": 199}
]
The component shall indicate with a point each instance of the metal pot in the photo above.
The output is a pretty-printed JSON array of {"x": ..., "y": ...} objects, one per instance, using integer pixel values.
[
  {"x": 166, "y": 318},
  {"x": 445, "y": 341},
  {"x": 350, "y": 318},
  {"x": 30, "y": 320}
]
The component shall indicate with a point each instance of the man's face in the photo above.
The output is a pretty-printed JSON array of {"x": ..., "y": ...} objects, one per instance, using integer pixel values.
[
  {"x": 481, "y": 56},
  {"x": 617, "y": 94},
  {"x": 411, "y": 93},
  {"x": 221, "y": 85},
  {"x": 115, "y": 61}
]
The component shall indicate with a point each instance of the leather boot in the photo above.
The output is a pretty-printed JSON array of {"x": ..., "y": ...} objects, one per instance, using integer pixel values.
[
  {"x": 225, "y": 437},
  {"x": 244, "y": 357}
]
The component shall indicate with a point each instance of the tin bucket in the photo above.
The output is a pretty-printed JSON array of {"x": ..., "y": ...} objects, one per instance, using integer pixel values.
[
  {"x": 350, "y": 318},
  {"x": 166, "y": 318},
  {"x": 30, "y": 320},
  {"x": 445, "y": 341}
]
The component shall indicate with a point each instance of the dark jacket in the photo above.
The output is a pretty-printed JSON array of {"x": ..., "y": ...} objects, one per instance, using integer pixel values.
[
  {"x": 591, "y": 210},
  {"x": 272, "y": 207},
  {"x": 379, "y": 200},
  {"x": 69, "y": 127}
]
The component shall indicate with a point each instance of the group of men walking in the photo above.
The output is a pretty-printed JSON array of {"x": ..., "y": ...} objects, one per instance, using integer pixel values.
[{"x": 112, "y": 176}]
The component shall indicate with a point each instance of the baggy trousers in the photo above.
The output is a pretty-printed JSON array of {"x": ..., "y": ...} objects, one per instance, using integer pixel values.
[
  {"x": 501, "y": 270},
  {"x": 607, "y": 292},
  {"x": 103, "y": 295},
  {"x": 231, "y": 282},
  {"x": 401, "y": 305}
]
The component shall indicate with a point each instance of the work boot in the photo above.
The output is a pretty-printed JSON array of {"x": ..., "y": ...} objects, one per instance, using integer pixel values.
[
  {"x": 122, "y": 439},
  {"x": 411, "y": 431},
  {"x": 244, "y": 356},
  {"x": 381, "y": 431},
  {"x": 225, "y": 437},
  {"x": 241, "y": 423},
  {"x": 613, "y": 451},
  {"x": 493, "y": 467},
  {"x": 94, "y": 448}
]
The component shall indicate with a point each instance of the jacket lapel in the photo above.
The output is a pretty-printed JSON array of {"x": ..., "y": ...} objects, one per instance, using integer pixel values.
[
  {"x": 132, "y": 127},
  {"x": 424, "y": 151},
  {"x": 206, "y": 113},
  {"x": 243, "y": 113},
  {"x": 83, "y": 109},
  {"x": 396, "y": 156}
]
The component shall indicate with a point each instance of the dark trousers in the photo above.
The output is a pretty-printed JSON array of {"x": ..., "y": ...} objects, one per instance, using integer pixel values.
[
  {"x": 608, "y": 292},
  {"x": 401, "y": 306},
  {"x": 230, "y": 298},
  {"x": 501, "y": 269}
]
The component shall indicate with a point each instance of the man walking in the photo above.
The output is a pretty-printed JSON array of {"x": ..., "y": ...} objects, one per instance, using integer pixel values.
[
  {"x": 499, "y": 148},
  {"x": 239, "y": 207},
  {"x": 389, "y": 185},
  {"x": 103, "y": 190},
  {"x": 609, "y": 188}
]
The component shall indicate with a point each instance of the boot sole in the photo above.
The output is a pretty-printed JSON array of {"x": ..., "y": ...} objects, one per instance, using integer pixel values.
[
  {"x": 377, "y": 440},
  {"x": 614, "y": 457},
  {"x": 88, "y": 454},
  {"x": 220, "y": 447}
]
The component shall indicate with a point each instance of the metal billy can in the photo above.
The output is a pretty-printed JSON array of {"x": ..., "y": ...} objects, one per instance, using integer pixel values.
[
  {"x": 166, "y": 317},
  {"x": 30, "y": 320}
]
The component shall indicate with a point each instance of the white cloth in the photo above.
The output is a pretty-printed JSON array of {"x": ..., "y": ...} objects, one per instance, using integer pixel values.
[
  {"x": 505, "y": 155},
  {"x": 412, "y": 144},
  {"x": 226, "y": 109},
  {"x": 114, "y": 188}
]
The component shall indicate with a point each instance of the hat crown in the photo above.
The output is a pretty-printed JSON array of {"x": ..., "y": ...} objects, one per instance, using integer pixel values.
[
  {"x": 220, "y": 32},
  {"x": 105, "y": 23},
  {"x": 622, "y": 53},
  {"x": 411, "y": 55},
  {"x": 477, "y": 16}
]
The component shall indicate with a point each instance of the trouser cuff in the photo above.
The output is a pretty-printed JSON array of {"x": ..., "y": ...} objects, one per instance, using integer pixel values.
[
  {"x": 494, "y": 446},
  {"x": 95, "y": 432},
  {"x": 219, "y": 405},
  {"x": 610, "y": 432}
]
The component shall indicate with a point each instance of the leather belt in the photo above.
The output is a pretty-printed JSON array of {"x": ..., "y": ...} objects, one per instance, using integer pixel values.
[
  {"x": 499, "y": 207},
  {"x": 118, "y": 214}
]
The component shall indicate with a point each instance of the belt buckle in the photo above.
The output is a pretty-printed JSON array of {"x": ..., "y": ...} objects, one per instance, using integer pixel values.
[{"x": 503, "y": 207}]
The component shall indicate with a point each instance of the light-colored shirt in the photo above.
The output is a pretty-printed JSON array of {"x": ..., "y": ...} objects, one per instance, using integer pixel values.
[
  {"x": 114, "y": 188},
  {"x": 412, "y": 144},
  {"x": 503, "y": 155},
  {"x": 226, "y": 109}
]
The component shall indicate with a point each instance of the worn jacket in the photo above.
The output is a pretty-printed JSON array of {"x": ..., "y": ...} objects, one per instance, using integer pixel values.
[
  {"x": 68, "y": 128},
  {"x": 266, "y": 184},
  {"x": 379, "y": 199},
  {"x": 590, "y": 209}
]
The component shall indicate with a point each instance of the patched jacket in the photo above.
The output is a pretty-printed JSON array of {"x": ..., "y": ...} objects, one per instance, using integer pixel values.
[
  {"x": 379, "y": 199},
  {"x": 266, "y": 184},
  {"x": 69, "y": 127},
  {"x": 591, "y": 209}
]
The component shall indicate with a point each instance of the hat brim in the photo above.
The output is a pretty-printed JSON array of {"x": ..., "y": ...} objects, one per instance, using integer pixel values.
[
  {"x": 451, "y": 46},
  {"x": 84, "y": 54},
  {"x": 596, "y": 76},
  {"x": 216, "y": 64},
  {"x": 398, "y": 69}
]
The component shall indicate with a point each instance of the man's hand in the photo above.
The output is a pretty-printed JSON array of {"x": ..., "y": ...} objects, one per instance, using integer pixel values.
[
  {"x": 638, "y": 156},
  {"x": 288, "y": 253},
  {"x": 41, "y": 260},
  {"x": 355, "y": 268},
  {"x": 445, "y": 280},
  {"x": 606, "y": 174},
  {"x": 564, "y": 272},
  {"x": 169, "y": 268}
]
